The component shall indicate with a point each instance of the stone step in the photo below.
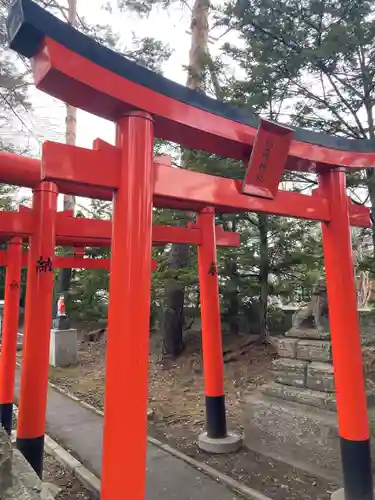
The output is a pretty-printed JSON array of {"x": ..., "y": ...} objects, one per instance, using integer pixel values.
[
  {"x": 309, "y": 397},
  {"x": 301, "y": 373},
  {"x": 308, "y": 333},
  {"x": 306, "y": 396},
  {"x": 290, "y": 371},
  {"x": 304, "y": 349},
  {"x": 286, "y": 347},
  {"x": 314, "y": 350},
  {"x": 367, "y": 334},
  {"x": 320, "y": 377}
]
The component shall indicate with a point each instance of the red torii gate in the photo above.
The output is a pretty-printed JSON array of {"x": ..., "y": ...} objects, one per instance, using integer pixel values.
[
  {"x": 14, "y": 259},
  {"x": 79, "y": 71},
  {"x": 70, "y": 230}
]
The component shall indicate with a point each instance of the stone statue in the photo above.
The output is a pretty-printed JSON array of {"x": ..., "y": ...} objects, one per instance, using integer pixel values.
[{"x": 311, "y": 315}]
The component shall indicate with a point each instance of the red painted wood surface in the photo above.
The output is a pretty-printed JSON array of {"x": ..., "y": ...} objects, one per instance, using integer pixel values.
[
  {"x": 72, "y": 78},
  {"x": 267, "y": 161}
]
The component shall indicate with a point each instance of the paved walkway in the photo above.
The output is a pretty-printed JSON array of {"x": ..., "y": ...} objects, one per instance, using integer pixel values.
[{"x": 80, "y": 430}]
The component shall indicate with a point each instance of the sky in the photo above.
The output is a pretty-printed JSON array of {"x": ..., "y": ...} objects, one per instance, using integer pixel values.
[
  {"x": 170, "y": 26},
  {"x": 47, "y": 120}
]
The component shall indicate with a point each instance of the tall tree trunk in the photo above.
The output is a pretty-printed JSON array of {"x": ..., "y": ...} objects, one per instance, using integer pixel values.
[
  {"x": 232, "y": 290},
  {"x": 231, "y": 294},
  {"x": 263, "y": 277},
  {"x": 370, "y": 172},
  {"x": 71, "y": 111},
  {"x": 65, "y": 275},
  {"x": 173, "y": 312}
]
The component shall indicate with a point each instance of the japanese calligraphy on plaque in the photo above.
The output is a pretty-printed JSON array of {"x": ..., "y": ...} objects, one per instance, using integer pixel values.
[
  {"x": 267, "y": 160},
  {"x": 264, "y": 161}
]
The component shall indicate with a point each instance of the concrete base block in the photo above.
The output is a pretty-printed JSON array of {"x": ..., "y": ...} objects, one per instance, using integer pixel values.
[
  {"x": 229, "y": 444},
  {"x": 63, "y": 348},
  {"x": 340, "y": 494}
]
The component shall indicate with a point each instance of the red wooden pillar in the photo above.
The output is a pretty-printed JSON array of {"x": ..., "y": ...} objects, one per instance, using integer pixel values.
[
  {"x": 35, "y": 354},
  {"x": 216, "y": 439},
  {"x": 211, "y": 327},
  {"x": 346, "y": 345},
  {"x": 126, "y": 389},
  {"x": 10, "y": 331}
]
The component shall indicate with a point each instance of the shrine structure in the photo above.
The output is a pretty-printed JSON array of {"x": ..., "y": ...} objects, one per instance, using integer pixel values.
[
  {"x": 78, "y": 232},
  {"x": 145, "y": 105}
]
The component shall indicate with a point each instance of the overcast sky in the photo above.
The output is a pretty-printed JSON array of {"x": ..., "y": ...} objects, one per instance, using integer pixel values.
[
  {"x": 47, "y": 120},
  {"x": 170, "y": 27}
]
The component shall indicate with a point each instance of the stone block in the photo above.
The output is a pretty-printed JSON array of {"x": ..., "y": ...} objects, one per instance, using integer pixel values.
[
  {"x": 308, "y": 333},
  {"x": 314, "y": 350},
  {"x": 320, "y": 377},
  {"x": 290, "y": 371},
  {"x": 6, "y": 456},
  {"x": 286, "y": 347},
  {"x": 309, "y": 397},
  {"x": 301, "y": 436},
  {"x": 340, "y": 494},
  {"x": 27, "y": 481},
  {"x": 17, "y": 479},
  {"x": 63, "y": 348}
]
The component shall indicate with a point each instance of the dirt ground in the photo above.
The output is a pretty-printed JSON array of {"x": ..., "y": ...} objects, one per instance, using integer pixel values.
[
  {"x": 176, "y": 399},
  {"x": 70, "y": 488}
]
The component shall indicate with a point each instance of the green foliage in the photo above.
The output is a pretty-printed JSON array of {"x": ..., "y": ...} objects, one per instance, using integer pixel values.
[
  {"x": 89, "y": 291},
  {"x": 308, "y": 63},
  {"x": 319, "y": 52},
  {"x": 149, "y": 52},
  {"x": 7, "y": 202}
]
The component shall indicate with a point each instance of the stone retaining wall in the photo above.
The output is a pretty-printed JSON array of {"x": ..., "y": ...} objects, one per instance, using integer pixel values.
[
  {"x": 18, "y": 480},
  {"x": 294, "y": 419}
]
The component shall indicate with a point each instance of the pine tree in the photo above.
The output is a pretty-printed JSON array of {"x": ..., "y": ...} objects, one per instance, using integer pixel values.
[{"x": 320, "y": 54}]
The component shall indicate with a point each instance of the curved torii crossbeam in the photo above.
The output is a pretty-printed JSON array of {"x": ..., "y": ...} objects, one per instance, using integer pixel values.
[{"x": 74, "y": 68}]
